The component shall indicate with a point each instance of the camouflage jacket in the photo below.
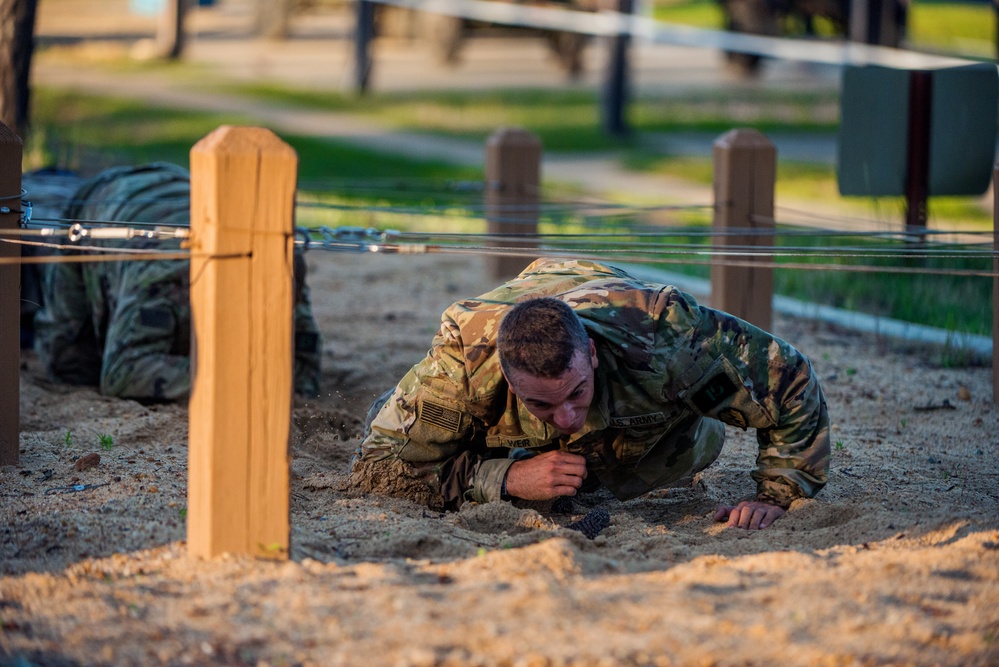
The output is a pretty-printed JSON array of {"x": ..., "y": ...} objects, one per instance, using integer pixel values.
[
  {"x": 662, "y": 361},
  {"x": 126, "y": 326}
]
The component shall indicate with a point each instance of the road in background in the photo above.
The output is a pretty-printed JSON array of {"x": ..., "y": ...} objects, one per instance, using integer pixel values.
[{"x": 319, "y": 53}]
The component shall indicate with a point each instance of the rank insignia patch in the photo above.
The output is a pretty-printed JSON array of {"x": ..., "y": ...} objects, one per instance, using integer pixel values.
[{"x": 714, "y": 391}]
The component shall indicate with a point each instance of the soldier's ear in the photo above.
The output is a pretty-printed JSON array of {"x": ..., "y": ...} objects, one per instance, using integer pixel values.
[
  {"x": 593, "y": 354},
  {"x": 508, "y": 383}
]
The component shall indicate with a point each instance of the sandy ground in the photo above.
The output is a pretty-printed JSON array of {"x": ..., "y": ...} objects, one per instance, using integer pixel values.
[{"x": 896, "y": 562}]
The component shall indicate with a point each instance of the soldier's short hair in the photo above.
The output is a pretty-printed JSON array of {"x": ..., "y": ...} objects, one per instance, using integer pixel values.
[{"x": 540, "y": 336}]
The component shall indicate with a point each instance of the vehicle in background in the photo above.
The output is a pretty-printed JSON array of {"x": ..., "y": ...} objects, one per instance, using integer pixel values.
[
  {"x": 879, "y": 22},
  {"x": 446, "y": 35}
]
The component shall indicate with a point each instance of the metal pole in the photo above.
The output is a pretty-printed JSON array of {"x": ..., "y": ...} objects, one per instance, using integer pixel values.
[
  {"x": 995, "y": 285},
  {"x": 917, "y": 164}
]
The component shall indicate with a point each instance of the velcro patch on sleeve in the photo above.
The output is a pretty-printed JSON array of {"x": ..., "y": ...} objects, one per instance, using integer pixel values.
[
  {"x": 713, "y": 392},
  {"x": 441, "y": 416}
]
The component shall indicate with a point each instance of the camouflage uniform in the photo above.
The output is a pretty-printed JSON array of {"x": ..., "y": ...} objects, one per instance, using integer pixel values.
[
  {"x": 126, "y": 326},
  {"x": 668, "y": 370}
]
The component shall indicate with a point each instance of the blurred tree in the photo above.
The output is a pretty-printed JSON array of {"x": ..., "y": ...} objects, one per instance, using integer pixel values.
[{"x": 17, "y": 43}]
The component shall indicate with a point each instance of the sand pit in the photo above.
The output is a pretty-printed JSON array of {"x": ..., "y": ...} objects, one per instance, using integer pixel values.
[{"x": 896, "y": 561}]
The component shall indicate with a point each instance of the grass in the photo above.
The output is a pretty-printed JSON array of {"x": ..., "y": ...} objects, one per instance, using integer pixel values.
[
  {"x": 811, "y": 182},
  {"x": 349, "y": 185},
  {"x": 565, "y": 121},
  {"x": 89, "y": 133},
  {"x": 967, "y": 29},
  {"x": 954, "y": 303}
]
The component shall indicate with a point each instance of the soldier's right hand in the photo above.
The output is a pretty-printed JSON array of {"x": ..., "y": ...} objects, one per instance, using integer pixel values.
[{"x": 546, "y": 476}]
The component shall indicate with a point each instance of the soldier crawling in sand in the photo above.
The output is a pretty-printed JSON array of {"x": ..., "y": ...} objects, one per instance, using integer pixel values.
[
  {"x": 575, "y": 376},
  {"x": 125, "y": 326}
]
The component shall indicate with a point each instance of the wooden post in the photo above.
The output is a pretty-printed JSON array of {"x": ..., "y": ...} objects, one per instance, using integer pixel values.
[
  {"x": 995, "y": 284},
  {"x": 745, "y": 171},
  {"x": 615, "y": 100},
  {"x": 273, "y": 18},
  {"x": 242, "y": 212},
  {"x": 364, "y": 31},
  {"x": 170, "y": 32},
  {"x": 876, "y": 22},
  {"x": 513, "y": 192},
  {"x": 11, "y": 150}
]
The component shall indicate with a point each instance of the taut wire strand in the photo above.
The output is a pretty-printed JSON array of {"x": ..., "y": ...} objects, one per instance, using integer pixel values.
[{"x": 750, "y": 263}]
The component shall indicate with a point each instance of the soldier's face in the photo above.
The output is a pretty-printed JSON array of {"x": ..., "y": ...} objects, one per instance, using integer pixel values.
[{"x": 561, "y": 402}]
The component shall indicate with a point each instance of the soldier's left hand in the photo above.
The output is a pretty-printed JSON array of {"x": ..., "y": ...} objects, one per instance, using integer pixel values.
[{"x": 749, "y": 514}]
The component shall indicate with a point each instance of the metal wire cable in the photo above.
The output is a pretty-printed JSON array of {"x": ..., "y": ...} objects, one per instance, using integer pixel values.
[
  {"x": 668, "y": 232},
  {"x": 630, "y": 241},
  {"x": 580, "y": 242},
  {"x": 658, "y": 259}
]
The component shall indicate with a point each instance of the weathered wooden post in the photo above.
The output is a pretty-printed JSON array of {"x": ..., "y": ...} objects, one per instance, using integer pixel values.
[
  {"x": 614, "y": 104},
  {"x": 11, "y": 149},
  {"x": 170, "y": 36},
  {"x": 242, "y": 224},
  {"x": 875, "y": 22},
  {"x": 364, "y": 32},
  {"x": 513, "y": 192},
  {"x": 995, "y": 284},
  {"x": 745, "y": 171},
  {"x": 273, "y": 18}
]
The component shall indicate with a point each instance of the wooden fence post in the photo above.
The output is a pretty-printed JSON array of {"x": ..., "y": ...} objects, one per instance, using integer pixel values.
[
  {"x": 995, "y": 284},
  {"x": 364, "y": 32},
  {"x": 170, "y": 35},
  {"x": 273, "y": 18},
  {"x": 745, "y": 169},
  {"x": 614, "y": 104},
  {"x": 242, "y": 213},
  {"x": 513, "y": 192},
  {"x": 11, "y": 150}
]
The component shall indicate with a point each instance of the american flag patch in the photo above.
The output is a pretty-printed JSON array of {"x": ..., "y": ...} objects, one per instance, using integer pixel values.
[{"x": 440, "y": 416}]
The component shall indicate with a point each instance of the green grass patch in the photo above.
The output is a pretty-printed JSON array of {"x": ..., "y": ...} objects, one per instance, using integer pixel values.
[
  {"x": 955, "y": 303},
  {"x": 348, "y": 186},
  {"x": 696, "y": 13},
  {"x": 961, "y": 28},
  {"x": 566, "y": 121},
  {"x": 87, "y": 134},
  {"x": 816, "y": 183}
]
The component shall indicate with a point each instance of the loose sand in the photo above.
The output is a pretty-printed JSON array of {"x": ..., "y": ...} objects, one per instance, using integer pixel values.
[{"x": 896, "y": 561}]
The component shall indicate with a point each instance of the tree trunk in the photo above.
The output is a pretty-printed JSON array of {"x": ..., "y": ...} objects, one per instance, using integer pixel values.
[{"x": 17, "y": 43}]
